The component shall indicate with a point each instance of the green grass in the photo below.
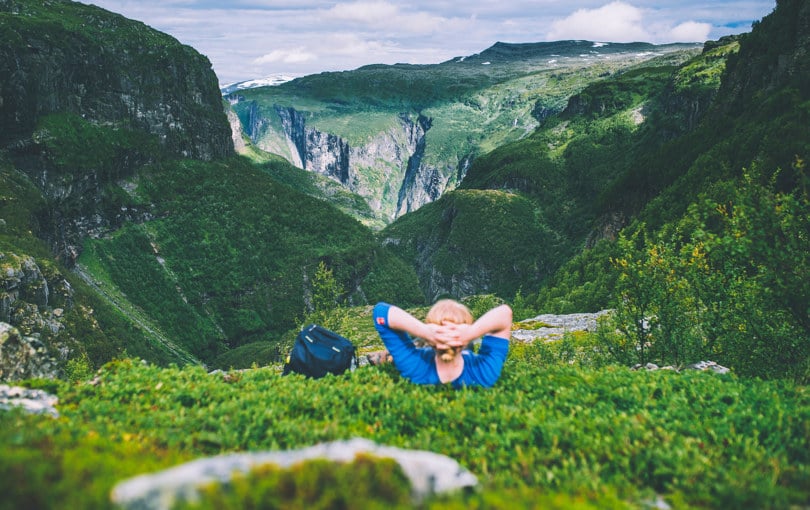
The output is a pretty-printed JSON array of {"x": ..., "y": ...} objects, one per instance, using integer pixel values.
[{"x": 606, "y": 437}]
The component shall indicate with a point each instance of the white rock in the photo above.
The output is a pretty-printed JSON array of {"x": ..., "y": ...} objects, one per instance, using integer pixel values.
[{"x": 428, "y": 472}]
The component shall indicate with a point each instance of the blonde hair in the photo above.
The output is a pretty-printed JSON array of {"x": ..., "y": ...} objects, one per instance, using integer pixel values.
[{"x": 448, "y": 310}]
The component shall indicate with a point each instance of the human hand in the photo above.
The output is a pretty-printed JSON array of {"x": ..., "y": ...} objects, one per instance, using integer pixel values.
[{"x": 452, "y": 335}]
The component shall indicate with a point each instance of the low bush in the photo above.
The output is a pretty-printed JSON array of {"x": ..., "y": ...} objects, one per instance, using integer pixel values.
[{"x": 565, "y": 436}]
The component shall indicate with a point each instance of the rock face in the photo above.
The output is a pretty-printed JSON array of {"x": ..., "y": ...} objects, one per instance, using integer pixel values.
[
  {"x": 33, "y": 401},
  {"x": 86, "y": 98},
  {"x": 548, "y": 327},
  {"x": 24, "y": 357},
  {"x": 428, "y": 472},
  {"x": 110, "y": 70},
  {"x": 34, "y": 300},
  {"x": 700, "y": 366},
  {"x": 388, "y": 169}
]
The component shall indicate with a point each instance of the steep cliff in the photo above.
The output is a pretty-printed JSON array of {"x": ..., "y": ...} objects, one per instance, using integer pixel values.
[
  {"x": 385, "y": 168},
  {"x": 88, "y": 96},
  {"x": 63, "y": 56},
  {"x": 775, "y": 55}
]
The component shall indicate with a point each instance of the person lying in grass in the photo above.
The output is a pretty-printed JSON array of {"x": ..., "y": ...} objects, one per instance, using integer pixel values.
[{"x": 448, "y": 330}]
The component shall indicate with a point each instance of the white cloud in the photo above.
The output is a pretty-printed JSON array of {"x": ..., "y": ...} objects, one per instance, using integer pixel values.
[
  {"x": 352, "y": 45},
  {"x": 690, "y": 31},
  {"x": 288, "y": 56},
  {"x": 246, "y": 39},
  {"x": 370, "y": 13},
  {"x": 387, "y": 15},
  {"x": 615, "y": 22},
  {"x": 622, "y": 22}
]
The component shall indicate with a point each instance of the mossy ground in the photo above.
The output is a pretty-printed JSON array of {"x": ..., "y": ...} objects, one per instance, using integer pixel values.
[{"x": 549, "y": 435}]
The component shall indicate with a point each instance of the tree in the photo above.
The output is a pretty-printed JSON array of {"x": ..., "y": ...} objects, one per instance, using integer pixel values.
[
  {"x": 326, "y": 304},
  {"x": 730, "y": 280}
]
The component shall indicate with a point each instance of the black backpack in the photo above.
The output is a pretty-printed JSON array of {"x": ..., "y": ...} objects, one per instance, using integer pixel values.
[{"x": 318, "y": 351}]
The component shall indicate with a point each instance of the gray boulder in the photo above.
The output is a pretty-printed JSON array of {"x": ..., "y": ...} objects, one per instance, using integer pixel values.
[
  {"x": 702, "y": 366},
  {"x": 428, "y": 472},
  {"x": 33, "y": 401},
  {"x": 23, "y": 357},
  {"x": 549, "y": 327}
]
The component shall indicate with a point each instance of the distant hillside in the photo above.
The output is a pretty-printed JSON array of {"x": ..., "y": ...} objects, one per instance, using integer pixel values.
[
  {"x": 402, "y": 135},
  {"x": 561, "y": 173},
  {"x": 127, "y": 225}
]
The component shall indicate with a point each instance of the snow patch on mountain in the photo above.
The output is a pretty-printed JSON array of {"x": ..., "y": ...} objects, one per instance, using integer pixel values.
[{"x": 268, "y": 81}]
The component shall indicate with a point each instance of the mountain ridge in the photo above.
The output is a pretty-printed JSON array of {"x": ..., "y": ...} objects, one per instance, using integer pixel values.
[{"x": 346, "y": 118}]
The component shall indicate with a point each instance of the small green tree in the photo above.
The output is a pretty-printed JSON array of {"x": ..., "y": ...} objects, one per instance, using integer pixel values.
[
  {"x": 656, "y": 312},
  {"x": 326, "y": 305}
]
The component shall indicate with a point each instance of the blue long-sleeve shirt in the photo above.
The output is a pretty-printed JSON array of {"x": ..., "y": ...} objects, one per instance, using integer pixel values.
[{"x": 418, "y": 364}]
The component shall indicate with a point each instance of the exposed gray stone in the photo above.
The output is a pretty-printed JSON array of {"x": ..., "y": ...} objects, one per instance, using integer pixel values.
[
  {"x": 704, "y": 366},
  {"x": 708, "y": 365},
  {"x": 33, "y": 401},
  {"x": 548, "y": 327},
  {"x": 428, "y": 472},
  {"x": 24, "y": 357}
]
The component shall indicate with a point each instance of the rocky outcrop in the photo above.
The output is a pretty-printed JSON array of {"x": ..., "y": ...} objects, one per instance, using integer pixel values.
[
  {"x": 423, "y": 183},
  {"x": 23, "y": 281},
  {"x": 429, "y": 473},
  {"x": 294, "y": 127},
  {"x": 237, "y": 135},
  {"x": 109, "y": 70},
  {"x": 32, "y": 401},
  {"x": 23, "y": 357},
  {"x": 394, "y": 157},
  {"x": 33, "y": 303},
  {"x": 549, "y": 327},
  {"x": 700, "y": 366}
]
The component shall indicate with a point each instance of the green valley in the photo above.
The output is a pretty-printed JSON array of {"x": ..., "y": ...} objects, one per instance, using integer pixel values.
[{"x": 161, "y": 245}]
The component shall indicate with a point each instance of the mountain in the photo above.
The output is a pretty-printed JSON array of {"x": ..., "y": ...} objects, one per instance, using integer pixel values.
[
  {"x": 402, "y": 135},
  {"x": 267, "y": 81},
  {"x": 129, "y": 226},
  {"x": 560, "y": 173}
]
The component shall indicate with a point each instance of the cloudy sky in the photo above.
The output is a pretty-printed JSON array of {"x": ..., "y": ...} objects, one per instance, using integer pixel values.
[{"x": 246, "y": 39}]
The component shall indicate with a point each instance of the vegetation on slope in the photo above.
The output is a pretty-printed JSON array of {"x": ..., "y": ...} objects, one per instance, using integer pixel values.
[
  {"x": 714, "y": 261},
  {"x": 93, "y": 329},
  {"x": 473, "y": 241},
  {"x": 474, "y": 104},
  {"x": 228, "y": 260}
]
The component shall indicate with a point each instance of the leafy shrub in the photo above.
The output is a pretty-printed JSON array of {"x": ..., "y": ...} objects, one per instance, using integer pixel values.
[
  {"x": 730, "y": 282},
  {"x": 611, "y": 436}
]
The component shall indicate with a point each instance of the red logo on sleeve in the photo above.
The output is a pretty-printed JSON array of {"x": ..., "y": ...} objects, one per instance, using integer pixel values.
[{"x": 381, "y": 321}]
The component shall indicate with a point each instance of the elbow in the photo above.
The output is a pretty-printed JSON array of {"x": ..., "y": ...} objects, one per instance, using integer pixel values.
[{"x": 507, "y": 312}]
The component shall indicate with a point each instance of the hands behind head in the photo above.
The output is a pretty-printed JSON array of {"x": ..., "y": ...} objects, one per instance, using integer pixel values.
[{"x": 449, "y": 335}]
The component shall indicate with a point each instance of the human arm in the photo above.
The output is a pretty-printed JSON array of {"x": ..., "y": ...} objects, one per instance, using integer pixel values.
[
  {"x": 401, "y": 320},
  {"x": 395, "y": 327}
]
